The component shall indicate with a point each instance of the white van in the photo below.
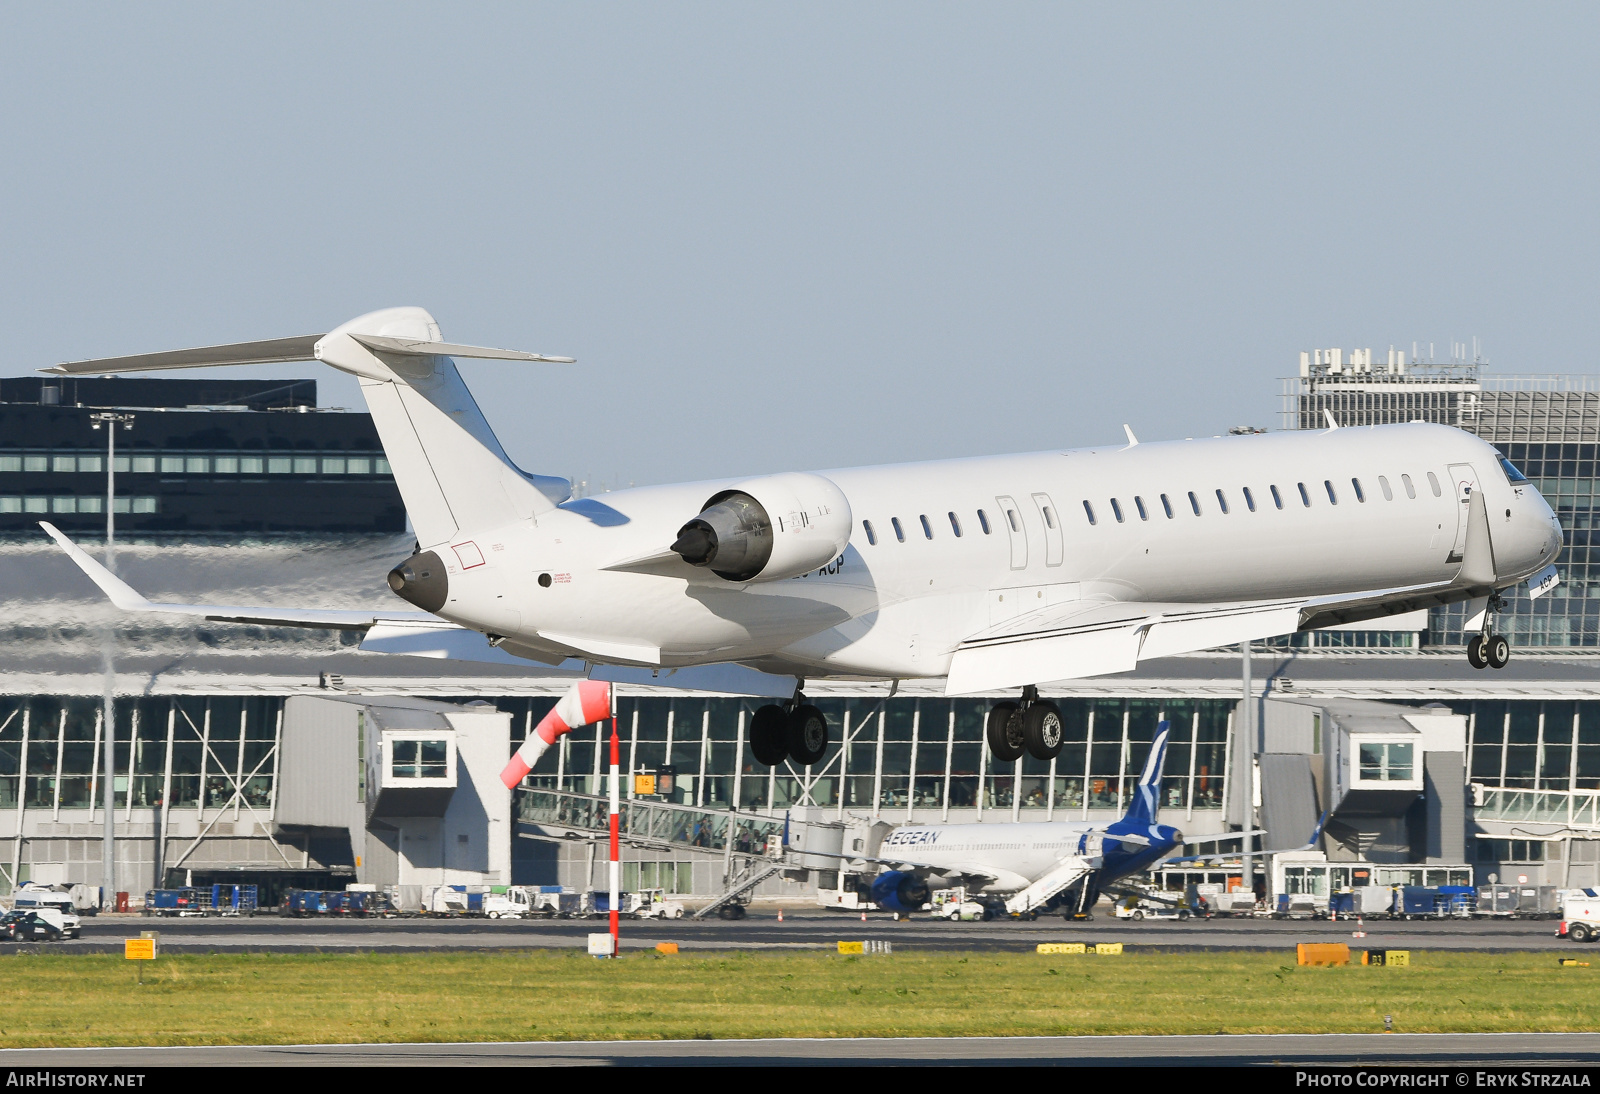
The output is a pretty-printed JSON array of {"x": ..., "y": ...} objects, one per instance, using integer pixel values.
[{"x": 1580, "y": 919}]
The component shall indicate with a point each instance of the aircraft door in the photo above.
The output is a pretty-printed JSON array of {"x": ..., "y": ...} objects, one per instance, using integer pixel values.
[
  {"x": 1011, "y": 515},
  {"x": 1465, "y": 481},
  {"x": 1051, "y": 519}
]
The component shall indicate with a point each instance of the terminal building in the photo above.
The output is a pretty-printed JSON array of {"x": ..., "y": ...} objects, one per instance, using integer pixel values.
[{"x": 270, "y": 755}]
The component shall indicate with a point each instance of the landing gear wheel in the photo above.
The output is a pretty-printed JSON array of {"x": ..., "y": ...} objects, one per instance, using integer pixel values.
[
  {"x": 807, "y": 734},
  {"x": 1497, "y": 651},
  {"x": 769, "y": 734},
  {"x": 1475, "y": 655},
  {"x": 1042, "y": 731},
  {"x": 1004, "y": 731}
]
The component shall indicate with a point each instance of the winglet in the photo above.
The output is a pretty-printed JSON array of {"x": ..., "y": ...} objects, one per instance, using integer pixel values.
[
  {"x": 1327, "y": 416},
  {"x": 1128, "y": 429},
  {"x": 120, "y": 592}
]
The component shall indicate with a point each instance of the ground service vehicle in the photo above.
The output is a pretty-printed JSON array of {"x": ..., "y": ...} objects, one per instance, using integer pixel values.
[
  {"x": 654, "y": 904},
  {"x": 31, "y": 896},
  {"x": 37, "y": 925},
  {"x": 1580, "y": 920}
]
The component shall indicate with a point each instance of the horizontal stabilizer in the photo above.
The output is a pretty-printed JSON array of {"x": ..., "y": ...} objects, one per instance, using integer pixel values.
[
  {"x": 416, "y": 347},
  {"x": 274, "y": 351},
  {"x": 270, "y": 352}
]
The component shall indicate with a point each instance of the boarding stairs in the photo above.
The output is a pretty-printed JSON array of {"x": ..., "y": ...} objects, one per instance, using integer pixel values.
[
  {"x": 752, "y": 875},
  {"x": 1067, "y": 872}
]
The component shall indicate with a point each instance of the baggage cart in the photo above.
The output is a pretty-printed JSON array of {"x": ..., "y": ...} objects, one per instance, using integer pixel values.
[{"x": 1418, "y": 901}]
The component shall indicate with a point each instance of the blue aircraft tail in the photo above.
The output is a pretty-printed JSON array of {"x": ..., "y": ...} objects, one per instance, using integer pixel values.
[{"x": 1142, "y": 810}]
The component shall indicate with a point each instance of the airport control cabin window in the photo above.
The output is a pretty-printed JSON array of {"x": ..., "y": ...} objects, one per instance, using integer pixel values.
[
  {"x": 1386, "y": 761},
  {"x": 419, "y": 759}
]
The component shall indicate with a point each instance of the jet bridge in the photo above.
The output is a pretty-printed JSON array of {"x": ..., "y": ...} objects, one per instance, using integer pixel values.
[{"x": 751, "y": 846}]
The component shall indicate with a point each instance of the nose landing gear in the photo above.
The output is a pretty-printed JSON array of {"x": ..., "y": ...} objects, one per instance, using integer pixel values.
[
  {"x": 1033, "y": 726},
  {"x": 1487, "y": 649}
]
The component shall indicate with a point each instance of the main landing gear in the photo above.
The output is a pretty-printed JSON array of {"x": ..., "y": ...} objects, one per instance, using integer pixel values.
[
  {"x": 1032, "y": 726},
  {"x": 1487, "y": 649},
  {"x": 795, "y": 730}
]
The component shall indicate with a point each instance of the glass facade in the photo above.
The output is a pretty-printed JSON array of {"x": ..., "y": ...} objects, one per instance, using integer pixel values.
[
  {"x": 172, "y": 751},
  {"x": 900, "y": 758}
]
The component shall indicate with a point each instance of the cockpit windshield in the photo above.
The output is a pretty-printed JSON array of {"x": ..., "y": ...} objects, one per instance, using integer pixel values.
[{"x": 1511, "y": 471}]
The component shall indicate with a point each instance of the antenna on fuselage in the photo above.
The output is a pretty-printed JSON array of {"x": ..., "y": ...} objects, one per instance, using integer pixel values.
[
  {"x": 1328, "y": 416},
  {"x": 1128, "y": 429}
]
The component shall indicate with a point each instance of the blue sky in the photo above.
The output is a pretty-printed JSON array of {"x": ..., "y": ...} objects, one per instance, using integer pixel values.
[{"x": 796, "y": 236}]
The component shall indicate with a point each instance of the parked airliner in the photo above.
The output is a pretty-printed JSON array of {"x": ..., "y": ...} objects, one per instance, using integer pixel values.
[
  {"x": 995, "y": 573},
  {"x": 1036, "y": 865}
]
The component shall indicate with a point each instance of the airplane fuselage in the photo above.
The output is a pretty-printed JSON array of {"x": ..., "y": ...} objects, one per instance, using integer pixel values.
[{"x": 938, "y": 551}]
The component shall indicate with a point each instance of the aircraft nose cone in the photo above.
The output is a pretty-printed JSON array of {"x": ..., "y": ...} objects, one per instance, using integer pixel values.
[{"x": 421, "y": 580}]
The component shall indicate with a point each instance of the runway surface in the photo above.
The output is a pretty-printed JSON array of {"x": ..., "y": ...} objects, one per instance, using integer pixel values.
[
  {"x": 815, "y": 930},
  {"x": 1327, "y": 1050}
]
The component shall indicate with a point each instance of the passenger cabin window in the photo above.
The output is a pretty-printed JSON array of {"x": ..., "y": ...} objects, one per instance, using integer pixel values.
[
  {"x": 1411, "y": 491},
  {"x": 1327, "y": 484},
  {"x": 1016, "y": 521},
  {"x": 1138, "y": 503},
  {"x": 927, "y": 529},
  {"x": 1305, "y": 498},
  {"x": 1222, "y": 502},
  {"x": 1116, "y": 510},
  {"x": 983, "y": 522},
  {"x": 1383, "y": 484},
  {"x": 1089, "y": 510},
  {"x": 1249, "y": 500},
  {"x": 1194, "y": 503},
  {"x": 1166, "y": 503},
  {"x": 1433, "y": 481},
  {"x": 1360, "y": 496},
  {"x": 899, "y": 532},
  {"x": 955, "y": 525},
  {"x": 872, "y": 537},
  {"x": 1277, "y": 499},
  {"x": 1050, "y": 515}
]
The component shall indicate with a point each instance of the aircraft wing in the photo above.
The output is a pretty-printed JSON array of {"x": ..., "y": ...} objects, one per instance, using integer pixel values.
[
  {"x": 128, "y": 599},
  {"x": 1081, "y": 638}
]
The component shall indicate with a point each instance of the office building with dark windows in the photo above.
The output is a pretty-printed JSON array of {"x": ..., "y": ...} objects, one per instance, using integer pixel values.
[{"x": 192, "y": 458}]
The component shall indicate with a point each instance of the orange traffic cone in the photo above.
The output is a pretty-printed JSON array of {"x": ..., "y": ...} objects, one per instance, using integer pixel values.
[
  {"x": 863, "y": 917},
  {"x": 780, "y": 915}
]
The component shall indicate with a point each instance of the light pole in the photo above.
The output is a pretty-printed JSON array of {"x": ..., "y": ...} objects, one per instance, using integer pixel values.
[{"x": 108, "y": 852}]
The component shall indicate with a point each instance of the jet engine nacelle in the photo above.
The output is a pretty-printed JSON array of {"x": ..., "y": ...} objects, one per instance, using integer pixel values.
[
  {"x": 899, "y": 891},
  {"x": 769, "y": 528}
]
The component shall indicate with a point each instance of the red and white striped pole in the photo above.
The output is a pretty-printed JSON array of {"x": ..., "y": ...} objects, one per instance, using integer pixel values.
[{"x": 616, "y": 834}]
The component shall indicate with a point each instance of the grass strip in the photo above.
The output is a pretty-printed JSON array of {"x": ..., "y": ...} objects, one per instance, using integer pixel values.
[{"x": 67, "y": 1000}]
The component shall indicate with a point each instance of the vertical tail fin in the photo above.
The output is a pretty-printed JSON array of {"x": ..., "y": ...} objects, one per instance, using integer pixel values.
[
  {"x": 450, "y": 469},
  {"x": 1142, "y": 810},
  {"x": 447, "y": 462}
]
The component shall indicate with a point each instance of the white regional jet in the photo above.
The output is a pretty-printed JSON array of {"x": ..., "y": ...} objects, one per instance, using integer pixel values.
[{"x": 995, "y": 573}]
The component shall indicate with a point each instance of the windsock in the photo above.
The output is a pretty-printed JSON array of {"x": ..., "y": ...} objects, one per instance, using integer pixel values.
[{"x": 588, "y": 701}]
